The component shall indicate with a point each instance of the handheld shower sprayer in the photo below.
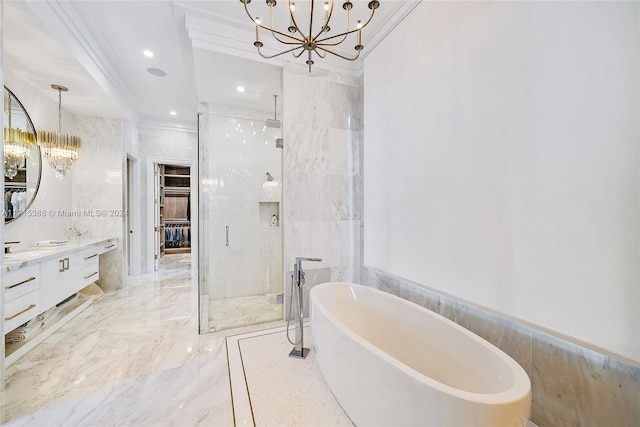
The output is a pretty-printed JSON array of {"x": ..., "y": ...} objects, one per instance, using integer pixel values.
[{"x": 297, "y": 282}]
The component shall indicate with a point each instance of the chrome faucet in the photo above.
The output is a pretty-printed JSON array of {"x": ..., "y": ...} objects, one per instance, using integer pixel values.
[{"x": 298, "y": 276}]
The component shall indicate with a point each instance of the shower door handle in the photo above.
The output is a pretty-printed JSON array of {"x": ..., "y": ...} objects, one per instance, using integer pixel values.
[{"x": 227, "y": 235}]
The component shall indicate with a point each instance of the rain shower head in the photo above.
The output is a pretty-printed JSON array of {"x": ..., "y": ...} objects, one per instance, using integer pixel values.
[{"x": 273, "y": 123}]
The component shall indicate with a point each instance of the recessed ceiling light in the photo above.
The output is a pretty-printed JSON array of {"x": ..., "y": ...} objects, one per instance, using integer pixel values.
[
  {"x": 148, "y": 53},
  {"x": 240, "y": 89},
  {"x": 157, "y": 72},
  {"x": 173, "y": 113}
]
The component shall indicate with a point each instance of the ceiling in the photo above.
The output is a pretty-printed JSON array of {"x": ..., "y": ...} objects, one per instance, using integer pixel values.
[{"x": 204, "y": 47}]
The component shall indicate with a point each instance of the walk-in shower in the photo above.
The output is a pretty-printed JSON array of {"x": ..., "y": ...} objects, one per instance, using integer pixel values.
[{"x": 240, "y": 242}]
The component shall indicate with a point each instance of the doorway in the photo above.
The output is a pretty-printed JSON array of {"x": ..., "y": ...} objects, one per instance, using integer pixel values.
[
  {"x": 132, "y": 239},
  {"x": 172, "y": 207},
  {"x": 171, "y": 212}
]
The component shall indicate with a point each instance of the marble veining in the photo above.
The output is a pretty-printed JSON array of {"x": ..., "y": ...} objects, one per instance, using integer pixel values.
[
  {"x": 26, "y": 257},
  {"x": 133, "y": 357},
  {"x": 322, "y": 172},
  {"x": 575, "y": 386},
  {"x": 241, "y": 252},
  {"x": 97, "y": 188}
]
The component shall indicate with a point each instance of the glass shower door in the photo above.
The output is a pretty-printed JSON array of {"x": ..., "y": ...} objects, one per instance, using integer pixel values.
[{"x": 240, "y": 251}]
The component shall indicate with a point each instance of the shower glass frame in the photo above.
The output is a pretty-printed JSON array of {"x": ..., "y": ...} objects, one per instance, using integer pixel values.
[{"x": 240, "y": 251}]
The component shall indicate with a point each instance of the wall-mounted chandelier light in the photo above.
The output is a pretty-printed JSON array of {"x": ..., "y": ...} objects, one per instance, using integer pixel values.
[
  {"x": 320, "y": 40},
  {"x": 17, "y": 145},
  {"x": 60, "y": 148}
]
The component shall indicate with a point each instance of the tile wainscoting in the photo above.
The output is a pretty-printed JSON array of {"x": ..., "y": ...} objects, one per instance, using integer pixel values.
[{"x": 571, "y": 385}]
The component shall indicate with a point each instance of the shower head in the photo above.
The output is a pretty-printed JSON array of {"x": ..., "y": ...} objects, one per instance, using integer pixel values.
[{"x": 273, "y": 123}]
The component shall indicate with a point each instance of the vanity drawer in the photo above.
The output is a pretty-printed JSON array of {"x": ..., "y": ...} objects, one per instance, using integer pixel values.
[
  {"x": 20, "y": 282},
  {"x": 107, "y": 246},
  {"x": 88, "y": 257},
  {"x": 89, "y": 275},
  {"x": 21, "y": 310}
]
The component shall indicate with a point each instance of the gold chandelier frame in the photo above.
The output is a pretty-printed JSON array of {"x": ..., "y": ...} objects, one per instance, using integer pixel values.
[{"x": 319, "y": 41}]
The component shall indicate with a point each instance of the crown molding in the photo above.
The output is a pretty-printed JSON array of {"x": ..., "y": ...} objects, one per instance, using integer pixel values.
[
  {"x": 65, "y": 24},
  {"x": 155, "y": 124},
  {"x": 401, "y": 10},
  {"x": 230, "y": 36}
]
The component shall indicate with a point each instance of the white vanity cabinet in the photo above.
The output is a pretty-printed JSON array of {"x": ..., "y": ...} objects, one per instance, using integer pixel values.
[
  {"x": 69, "y": 273},
  {"x": 39, "y": 279},
  {"x": 22, "y": 296}
]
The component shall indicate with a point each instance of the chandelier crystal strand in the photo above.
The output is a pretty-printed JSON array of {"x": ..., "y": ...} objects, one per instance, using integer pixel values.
[
  {"x": 318, "y": 42},
  {"x": 60, "y": 149},
  {"x": 17, "y": 146}
]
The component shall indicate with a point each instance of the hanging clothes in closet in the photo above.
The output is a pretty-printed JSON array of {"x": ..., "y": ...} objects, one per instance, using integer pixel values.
[
  {"x": 15, "y": 202},
  {"x": 177, "y": 235}
]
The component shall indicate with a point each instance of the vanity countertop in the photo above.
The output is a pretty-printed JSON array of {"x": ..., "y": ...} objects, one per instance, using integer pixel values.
[{"x": 29, "y": 256}]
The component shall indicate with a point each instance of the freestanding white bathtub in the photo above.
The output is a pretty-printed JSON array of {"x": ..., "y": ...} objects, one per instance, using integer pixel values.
[{"x": 392, "y": 362}]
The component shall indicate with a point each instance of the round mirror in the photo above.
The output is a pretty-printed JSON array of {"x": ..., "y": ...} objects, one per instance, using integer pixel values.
[{"x": 22, "y": 159}]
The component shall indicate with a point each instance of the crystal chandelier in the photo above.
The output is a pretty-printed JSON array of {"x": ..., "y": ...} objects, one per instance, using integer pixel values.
[
  {"x": 60, "y": 148},
  {"x": 317, "y": 40},
  {"x": 17, "y": 146}
]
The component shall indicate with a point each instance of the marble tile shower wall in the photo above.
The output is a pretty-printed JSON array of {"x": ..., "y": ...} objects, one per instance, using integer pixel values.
[
  {"x": 322, "y": 122},
  {"x": 571, "y": 385},
  {"x": 235, "y": 155},
  {"x": 99, "y": 187}
]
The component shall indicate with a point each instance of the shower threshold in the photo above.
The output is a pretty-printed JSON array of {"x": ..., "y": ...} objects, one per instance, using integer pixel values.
[{"x": 230, "y": 313}]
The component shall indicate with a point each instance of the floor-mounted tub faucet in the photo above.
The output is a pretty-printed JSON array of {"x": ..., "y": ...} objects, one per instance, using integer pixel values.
[{"x": 298, "y": 277}]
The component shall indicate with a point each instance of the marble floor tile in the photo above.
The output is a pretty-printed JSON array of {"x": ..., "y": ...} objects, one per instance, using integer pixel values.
[
  {"x": 281, "y": 391},
  {"x": 134, "y": 357}
]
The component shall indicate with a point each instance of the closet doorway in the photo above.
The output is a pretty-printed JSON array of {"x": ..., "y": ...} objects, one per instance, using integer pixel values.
[{"x": 172, "y": 211}]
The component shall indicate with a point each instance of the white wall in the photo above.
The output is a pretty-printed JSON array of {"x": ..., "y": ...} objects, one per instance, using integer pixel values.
[{"x": 501, "y": 161}]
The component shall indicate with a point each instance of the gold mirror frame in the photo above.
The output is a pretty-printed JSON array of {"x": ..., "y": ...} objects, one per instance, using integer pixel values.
[{"x": 33, "y": 164}]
